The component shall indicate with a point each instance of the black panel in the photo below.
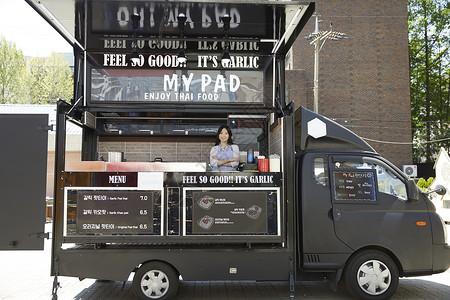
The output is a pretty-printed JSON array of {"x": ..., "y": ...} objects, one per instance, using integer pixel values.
[
  {"x": 23, "y": 180},
  {"x": 331, "y": 136}
]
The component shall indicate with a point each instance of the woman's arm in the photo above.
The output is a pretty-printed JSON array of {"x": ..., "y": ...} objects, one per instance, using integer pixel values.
[
  {"x": 226, "y": 162},
  {"x": 232, "y": 162},
  {"x": 235, "y": 162},
  {"x": 212, "y": 156}
]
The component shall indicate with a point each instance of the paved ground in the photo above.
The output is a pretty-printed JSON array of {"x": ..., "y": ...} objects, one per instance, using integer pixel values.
[{"x": 25, "y": 275}]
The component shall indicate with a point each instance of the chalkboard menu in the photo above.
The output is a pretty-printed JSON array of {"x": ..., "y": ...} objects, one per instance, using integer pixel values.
[
  {"x": 354, "y": 186},
  {"x": 114, "y": 212},
  {"x": 229, "y": 212}
]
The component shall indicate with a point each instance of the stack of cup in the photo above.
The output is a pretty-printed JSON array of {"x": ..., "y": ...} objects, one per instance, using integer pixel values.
[
  {"x": 263, "y": 164},
  {"x": 274, "y": 163}
]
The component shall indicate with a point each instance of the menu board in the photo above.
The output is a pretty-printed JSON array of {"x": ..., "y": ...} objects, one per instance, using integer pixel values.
[
  {"x": 354, "y": 185},
  {"x": 114, "y": 212},
  {"x": 229, "y": 212}
]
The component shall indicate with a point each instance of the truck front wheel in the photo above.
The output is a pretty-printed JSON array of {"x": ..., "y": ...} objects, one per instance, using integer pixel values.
[
  {"x": 155, "y": 280},
  {"x": 371, "y": 274}
]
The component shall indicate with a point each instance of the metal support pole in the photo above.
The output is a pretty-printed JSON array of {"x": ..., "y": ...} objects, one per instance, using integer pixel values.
[
  {"x": 318, "y": 39},
  {"x": 316, "y": 75},
  {"x": 316, "y": 64}
]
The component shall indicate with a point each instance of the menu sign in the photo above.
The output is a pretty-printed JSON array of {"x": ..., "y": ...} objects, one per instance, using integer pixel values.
[
  {"x": 229, "y": 212},
  {"x": 114, "y": 212},
  {"x": 354, "y": 185}
]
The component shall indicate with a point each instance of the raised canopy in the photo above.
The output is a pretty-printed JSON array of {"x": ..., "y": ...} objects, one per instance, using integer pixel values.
[{"x": 276, "y": 23}]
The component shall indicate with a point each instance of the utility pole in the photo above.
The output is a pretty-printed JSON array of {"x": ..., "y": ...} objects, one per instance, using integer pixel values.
[{"x": 318, "y": 39}]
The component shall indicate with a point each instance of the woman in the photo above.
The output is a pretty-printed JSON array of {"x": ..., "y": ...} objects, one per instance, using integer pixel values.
[{"x": 224, "y": 156}]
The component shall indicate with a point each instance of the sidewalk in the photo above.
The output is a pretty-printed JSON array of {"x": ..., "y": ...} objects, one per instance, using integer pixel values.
[{"x": 26, "y": 275}]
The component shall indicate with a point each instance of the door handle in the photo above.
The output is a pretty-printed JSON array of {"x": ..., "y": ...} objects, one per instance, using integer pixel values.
[{"x": 336, "y": 214}]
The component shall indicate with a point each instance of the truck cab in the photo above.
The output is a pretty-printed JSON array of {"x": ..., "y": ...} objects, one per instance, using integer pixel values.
[{"x": 359, "y": 214}]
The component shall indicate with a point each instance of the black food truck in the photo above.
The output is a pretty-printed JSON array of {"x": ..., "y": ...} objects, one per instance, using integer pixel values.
[{"x": 154, "y": 80}]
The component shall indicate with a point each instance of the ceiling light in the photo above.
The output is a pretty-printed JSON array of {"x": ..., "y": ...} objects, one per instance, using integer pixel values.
[
  {"x": 135, "y": 18},
  {"x": 226, "y": 59},
  {"x": 181, "y": 57},
  {"x": 135, "y": 59},
  {"x": 181, "y": 21},
  {"x": 226, "y": 21}
]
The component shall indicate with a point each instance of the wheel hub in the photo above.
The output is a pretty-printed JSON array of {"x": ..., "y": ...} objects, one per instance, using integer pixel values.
[
  {"x": 155, "y": 284},
  {"x": 374, "y": 277}
]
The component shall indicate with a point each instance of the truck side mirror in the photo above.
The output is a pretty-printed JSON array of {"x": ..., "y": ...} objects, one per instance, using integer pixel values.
[
  {"x": 440, "y": 190},
  {"x": 413, "y": 191}
]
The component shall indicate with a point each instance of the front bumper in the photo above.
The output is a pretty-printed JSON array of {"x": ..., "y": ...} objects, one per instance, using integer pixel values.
[{"x": 441, "y": 258}]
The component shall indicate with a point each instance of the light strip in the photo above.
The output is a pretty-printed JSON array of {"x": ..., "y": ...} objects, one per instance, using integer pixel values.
[
  {"x": 246, "y": 116},
  {"x": 59, "y": 25},
  {"x": 268, "y": 40}
]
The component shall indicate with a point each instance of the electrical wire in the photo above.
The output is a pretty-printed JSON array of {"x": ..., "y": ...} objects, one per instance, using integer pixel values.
[{"x": 405, "y": 143}]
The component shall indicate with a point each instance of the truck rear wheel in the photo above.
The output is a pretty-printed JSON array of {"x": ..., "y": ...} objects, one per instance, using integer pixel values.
[
  {"x": 371, "y": 274},
  {"x": 155, "y": 280}
]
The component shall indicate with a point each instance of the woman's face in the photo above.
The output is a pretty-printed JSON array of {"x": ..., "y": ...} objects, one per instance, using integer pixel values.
[{"x": 224, "y": 136}]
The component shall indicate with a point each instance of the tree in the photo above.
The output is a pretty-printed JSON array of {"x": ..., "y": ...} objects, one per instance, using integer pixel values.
[
  {"x": 430, "y": 71},
  {"x": 49, "y": 79},
  {"x": 12, "y": 71},
  {"x": 34, "y": 80}
]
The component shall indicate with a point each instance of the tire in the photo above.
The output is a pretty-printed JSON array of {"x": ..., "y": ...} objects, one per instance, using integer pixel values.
[
  {"x": 371, "y": 274},
  {"x": 155, "y": 280}
]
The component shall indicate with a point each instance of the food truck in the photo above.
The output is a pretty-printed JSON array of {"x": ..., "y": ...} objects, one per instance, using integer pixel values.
[{"x": 154, "y": 80}]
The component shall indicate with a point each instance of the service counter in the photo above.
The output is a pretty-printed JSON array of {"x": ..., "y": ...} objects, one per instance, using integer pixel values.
[
  {"x": 152, "y": 207},
  {"x": 102, "y": 166}
]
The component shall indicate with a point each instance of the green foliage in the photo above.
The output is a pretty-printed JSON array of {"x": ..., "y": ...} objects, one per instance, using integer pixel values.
[
  {"x": 49, "y": 78},
  {"x": 429, "y": 43},
  {"x": 12, "y": 71},
  {"x": 429, "y": 181},
  {"x": 424, "y": 184},
  {"x": 36, "y": 80}
]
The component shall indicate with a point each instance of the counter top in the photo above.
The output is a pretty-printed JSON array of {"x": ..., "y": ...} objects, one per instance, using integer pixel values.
[{"x": 101, "y": 166}]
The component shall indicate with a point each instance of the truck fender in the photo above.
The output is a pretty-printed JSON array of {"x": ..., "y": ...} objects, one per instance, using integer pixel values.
[
  {"x": 156, "y": 260},
  {"x": 381, "y": 249}
]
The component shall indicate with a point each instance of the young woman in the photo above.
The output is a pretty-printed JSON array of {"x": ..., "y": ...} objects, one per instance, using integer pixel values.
[{"x": 224, "y": 156}]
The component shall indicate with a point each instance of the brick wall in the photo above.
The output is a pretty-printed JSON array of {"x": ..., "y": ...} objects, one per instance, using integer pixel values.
[
  {"x": 363, "y": 80},
  {"x": 148, "y": 151},
  {"x": 275, "y": 139}
]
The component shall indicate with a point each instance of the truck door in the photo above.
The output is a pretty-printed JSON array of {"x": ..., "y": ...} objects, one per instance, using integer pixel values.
[
  {"x": 23, "y": 172},
  {"x": 320, "y": 247},
  {"x": 371, "y": 208}
]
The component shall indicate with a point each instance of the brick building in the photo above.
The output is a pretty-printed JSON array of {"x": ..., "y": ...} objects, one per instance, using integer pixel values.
[{"x": 364, "y": 80}]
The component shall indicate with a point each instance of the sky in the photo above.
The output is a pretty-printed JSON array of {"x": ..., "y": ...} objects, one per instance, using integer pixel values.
[{"x": 20, "y": 24}]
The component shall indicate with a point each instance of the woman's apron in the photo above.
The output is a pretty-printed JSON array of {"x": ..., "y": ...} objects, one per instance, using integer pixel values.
[{"x": 224, "y": 154}]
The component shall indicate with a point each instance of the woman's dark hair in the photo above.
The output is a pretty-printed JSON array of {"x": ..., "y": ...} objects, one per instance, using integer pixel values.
[{"x": 230, "y": 135}]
